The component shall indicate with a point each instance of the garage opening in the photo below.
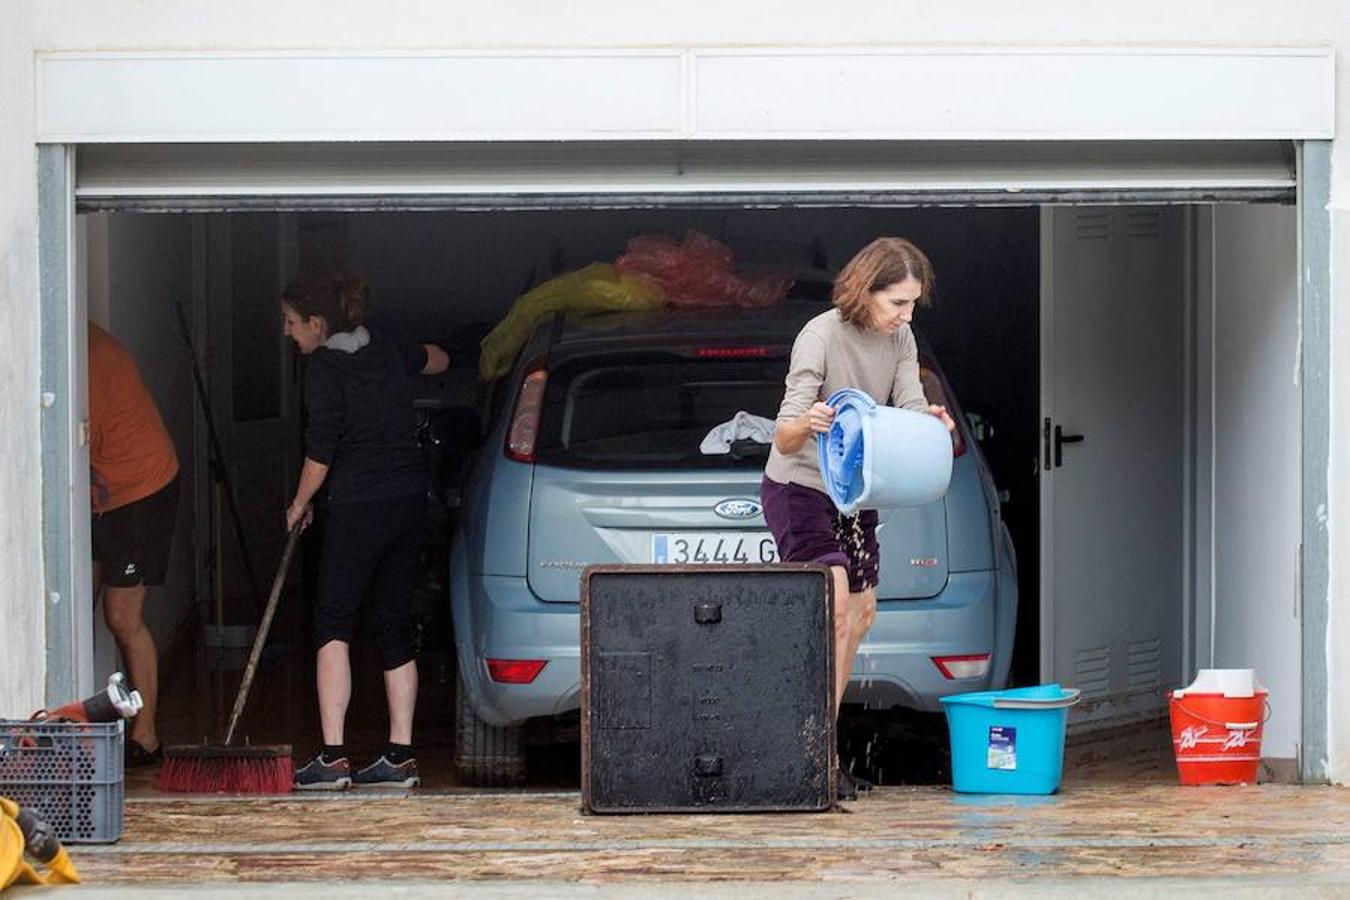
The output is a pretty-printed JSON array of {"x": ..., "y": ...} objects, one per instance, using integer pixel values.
[{"x": 1051, "y": 319}]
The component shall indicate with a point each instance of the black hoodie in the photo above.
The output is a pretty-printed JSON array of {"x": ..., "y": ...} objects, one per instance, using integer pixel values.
[{"x": 360, "y": 419}]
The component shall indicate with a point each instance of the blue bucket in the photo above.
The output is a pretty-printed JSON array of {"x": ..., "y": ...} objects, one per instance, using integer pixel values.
[
  {"x": 1008, "y": 742},
  {"x": 880, "y": 457}
]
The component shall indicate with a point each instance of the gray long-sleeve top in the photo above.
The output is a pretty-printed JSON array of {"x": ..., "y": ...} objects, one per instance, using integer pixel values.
[{"x": 828, "y": 355}]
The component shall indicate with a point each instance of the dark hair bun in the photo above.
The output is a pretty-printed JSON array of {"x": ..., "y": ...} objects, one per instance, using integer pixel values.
[
  {"x": 342, "y": 301},
  {"x": 353, "y": 296}
]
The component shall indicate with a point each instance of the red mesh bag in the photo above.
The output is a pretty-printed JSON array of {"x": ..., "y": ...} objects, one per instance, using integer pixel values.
[{"x": 697, "y": 272}]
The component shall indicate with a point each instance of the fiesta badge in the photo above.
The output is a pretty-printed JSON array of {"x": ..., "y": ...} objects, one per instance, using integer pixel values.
[{"x": 738, "y": 509}]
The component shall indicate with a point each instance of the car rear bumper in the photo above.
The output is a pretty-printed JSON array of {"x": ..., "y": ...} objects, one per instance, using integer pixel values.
[
  {"x": 498, "y": 617},
  {"x": 895, "y": 664}
]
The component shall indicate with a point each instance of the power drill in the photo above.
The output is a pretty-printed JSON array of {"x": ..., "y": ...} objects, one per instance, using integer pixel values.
[
  {"x": 23, "y": 833},
  {"x": 113, "y": 703}
]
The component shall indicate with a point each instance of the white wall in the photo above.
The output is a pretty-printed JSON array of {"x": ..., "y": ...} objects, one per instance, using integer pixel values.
[
  {"x": 29, "y": 25},
  {"x": 1256, "y": 457},
  {"x": 21, "y": 600},
  {"x": 1338, "y": 626}
]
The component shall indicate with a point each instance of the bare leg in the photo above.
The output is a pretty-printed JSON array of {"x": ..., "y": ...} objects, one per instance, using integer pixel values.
[
  {"x": 123, "y": 611},
  {"x": 400, "y": 689},
  {"x": 862, "y": 612},
  {"x": 843, "y": 630},
  {"x": 334, "y": 678}
]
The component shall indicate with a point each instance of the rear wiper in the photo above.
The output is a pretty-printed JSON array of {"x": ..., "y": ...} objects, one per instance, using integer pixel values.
[{"x": 745, "y": 448}]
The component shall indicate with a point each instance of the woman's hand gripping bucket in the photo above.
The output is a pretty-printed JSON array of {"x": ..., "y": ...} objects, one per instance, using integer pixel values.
[{"x": 881, "y": 457}]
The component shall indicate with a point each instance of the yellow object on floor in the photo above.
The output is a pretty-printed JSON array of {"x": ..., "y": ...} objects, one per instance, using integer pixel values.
[
  {"x": 11, "y": 852},
  {"x": 24, "y": 836}
]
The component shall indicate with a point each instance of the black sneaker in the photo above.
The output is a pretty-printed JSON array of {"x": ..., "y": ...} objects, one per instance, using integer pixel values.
[
  {"x": 135, "y": 756},
  {"x": 383, "y": 773},
  {"x": 320, "y": 775}
]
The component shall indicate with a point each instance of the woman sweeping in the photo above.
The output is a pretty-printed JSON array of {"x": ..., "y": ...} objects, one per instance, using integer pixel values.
[
  {"x": 864, "y": 342},
  {"x": 361, "y": 449}
]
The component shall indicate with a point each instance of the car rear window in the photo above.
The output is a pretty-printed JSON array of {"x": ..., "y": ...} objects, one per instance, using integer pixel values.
[{"x": 653, "y": 411}]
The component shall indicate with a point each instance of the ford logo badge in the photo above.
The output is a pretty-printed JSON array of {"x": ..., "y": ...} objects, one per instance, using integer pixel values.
[{"x": 738, "y": 509}]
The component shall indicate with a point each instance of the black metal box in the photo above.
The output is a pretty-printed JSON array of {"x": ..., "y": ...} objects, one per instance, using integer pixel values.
[{"x": 707, "y": 688}]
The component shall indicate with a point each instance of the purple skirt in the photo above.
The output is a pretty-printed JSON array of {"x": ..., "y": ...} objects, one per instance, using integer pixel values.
[{"x": 808, "y": 528}]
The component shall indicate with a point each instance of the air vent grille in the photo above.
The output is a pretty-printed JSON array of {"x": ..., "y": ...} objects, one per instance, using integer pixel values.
[
  {"x": 1093, "y": 225},
  {"x": 1092, "y": 671},
  {"x": 1144, "y": 663},
  {"x": 1144, "y": 224}
]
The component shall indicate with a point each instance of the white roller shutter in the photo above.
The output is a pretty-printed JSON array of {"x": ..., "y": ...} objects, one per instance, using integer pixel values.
[{"x": 625, "y": 174}]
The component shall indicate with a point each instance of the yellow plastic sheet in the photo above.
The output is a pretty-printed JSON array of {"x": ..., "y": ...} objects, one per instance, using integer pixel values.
[
  {"x": 596, "y": 288},
  {"x": 11, "y": 851}
]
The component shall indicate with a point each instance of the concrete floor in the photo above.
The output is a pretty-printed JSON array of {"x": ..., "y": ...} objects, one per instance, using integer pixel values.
[
  {"x": 1120, "y": 826},
  {"x": 1150, "y": 837},
  {"x": 1304, "y": 888}
]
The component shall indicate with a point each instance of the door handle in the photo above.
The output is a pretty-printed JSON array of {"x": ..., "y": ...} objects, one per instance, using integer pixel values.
[{"x": 1060, "y": 440}]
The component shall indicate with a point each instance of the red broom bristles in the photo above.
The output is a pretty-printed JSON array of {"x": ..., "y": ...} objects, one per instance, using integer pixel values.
[{"x": 220, "y": 774}]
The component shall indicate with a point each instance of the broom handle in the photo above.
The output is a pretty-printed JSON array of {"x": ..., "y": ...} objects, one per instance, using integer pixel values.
[
  {"x": 216, "y": 458},
  {"x": 261, "y": 638}
]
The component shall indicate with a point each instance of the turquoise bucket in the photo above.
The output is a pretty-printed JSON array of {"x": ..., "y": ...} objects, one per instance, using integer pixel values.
[
  {"x": 880, "y": 457},
  {"x": 1008, "y": 742}
]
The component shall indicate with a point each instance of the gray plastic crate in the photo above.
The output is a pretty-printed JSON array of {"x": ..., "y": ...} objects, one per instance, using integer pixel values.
[{"x": 68, "y": 773}]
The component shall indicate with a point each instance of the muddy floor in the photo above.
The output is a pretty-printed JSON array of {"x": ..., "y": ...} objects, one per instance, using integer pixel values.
[
  {"x": 1119, "y": 814},
  {"x": 1148, "y": 829}
]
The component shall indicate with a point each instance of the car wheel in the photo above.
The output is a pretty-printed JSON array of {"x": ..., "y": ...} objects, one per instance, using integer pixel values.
[{"x": 485, "y": 755}]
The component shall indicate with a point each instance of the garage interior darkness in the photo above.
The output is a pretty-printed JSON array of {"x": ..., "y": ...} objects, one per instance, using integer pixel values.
[{"x": 1224, "y": 377}]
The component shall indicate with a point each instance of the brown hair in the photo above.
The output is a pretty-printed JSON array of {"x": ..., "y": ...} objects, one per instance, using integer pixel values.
[
  {"x": 882, "y": 263},
  {"x": 340, "y": 300}
]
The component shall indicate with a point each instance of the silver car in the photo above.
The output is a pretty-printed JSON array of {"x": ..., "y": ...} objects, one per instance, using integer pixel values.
[{"x": 592, "y": 456}]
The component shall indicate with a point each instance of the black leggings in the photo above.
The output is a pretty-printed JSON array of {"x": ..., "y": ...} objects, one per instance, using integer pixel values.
[{"x": 372, "y": 550}]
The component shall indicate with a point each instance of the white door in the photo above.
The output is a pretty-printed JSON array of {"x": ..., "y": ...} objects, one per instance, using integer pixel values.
[{"x": 1112, "y": 456}]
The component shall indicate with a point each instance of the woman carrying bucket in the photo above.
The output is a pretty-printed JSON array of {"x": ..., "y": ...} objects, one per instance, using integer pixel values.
[{"x": 865, "y": 343}]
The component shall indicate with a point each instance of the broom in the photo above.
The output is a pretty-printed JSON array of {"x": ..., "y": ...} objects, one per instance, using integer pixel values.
[{"x": 224, "y": 767}]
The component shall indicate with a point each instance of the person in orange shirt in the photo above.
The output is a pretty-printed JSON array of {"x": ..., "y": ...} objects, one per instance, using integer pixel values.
[{"x": 134, "y": 500}]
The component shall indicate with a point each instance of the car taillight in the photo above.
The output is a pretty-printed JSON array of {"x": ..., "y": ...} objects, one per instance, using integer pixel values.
[
  {"x": 935, "y": 389},
  {"x": 515, "y": 671},
  {"x": 970, "y": 665},
  {"x": 732, "y": 352},
  {"x": 524, "y": 431}
]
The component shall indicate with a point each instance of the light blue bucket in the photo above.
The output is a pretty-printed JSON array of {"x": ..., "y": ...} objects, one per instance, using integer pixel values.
[
  {"x": 879, "y": 457},
  {"x": 1008, "y": 742}
]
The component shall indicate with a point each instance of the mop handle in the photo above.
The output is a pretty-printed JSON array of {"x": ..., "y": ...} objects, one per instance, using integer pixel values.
[
  {"x": 263, "y": 627},
  {"x": 216, "y": 458}
]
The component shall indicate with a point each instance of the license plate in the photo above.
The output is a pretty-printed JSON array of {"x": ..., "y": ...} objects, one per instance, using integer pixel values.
[{"x": 714, "y": 547}]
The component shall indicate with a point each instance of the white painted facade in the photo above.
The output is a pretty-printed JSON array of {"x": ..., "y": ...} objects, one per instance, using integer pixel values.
[
  {"x": 1074, "y": 48},
  {"x": 1253, "y": 423},
  {"x": 803, "y": 93}
]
